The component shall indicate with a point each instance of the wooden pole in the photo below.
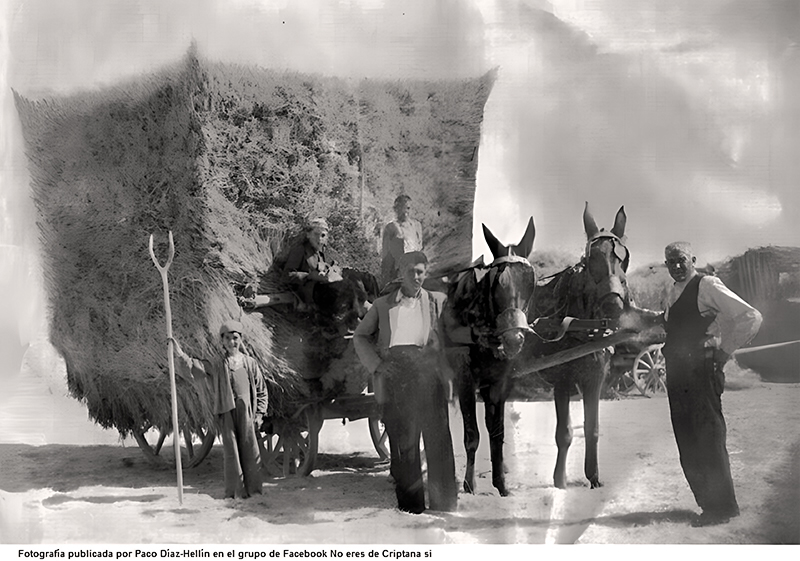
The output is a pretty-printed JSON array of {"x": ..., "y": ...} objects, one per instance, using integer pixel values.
[
  {"x": 747, "y": 350},
  {"x": 574, "y": 353},
  {"x": 168, "y": 311}
]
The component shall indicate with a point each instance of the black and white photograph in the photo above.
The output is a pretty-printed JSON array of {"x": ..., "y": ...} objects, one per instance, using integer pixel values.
[{"x": 399, "y": 274}]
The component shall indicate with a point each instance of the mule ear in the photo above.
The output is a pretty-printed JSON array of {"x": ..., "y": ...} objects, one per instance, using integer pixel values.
[
  {"x": 589, "y": 225},
  {"x": 525, "y": 246},
  {"x": 619, "y": 223},
  {"x": 497, "y": 248}
]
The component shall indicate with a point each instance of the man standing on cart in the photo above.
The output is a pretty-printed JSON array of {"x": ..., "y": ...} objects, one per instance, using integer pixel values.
[
  {"x": 398, "y": 341},
  {"x": 705, "y": 324},
  {"x": 402, "y": 235}
]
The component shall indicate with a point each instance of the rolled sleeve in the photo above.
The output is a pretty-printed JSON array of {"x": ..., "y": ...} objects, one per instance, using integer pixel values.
[{"x": 736, "y": 322}]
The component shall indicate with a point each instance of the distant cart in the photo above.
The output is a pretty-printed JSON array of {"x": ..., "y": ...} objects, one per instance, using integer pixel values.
[
  {"x": 638, "y": 369},
  {"x": 637, "y": 366}
]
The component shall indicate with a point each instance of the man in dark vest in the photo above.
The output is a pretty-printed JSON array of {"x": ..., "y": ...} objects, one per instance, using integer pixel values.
[
  {"x": 705, "y": 323},
  {"x": 399, "y": 342}
]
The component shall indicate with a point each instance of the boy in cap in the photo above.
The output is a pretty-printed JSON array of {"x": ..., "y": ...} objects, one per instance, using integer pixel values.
[{"x": 240, "y": 402}]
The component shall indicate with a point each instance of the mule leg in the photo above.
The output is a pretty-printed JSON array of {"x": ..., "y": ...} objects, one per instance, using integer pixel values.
[
  {"x": 495, "y": 424},
  {"x": 591, "y": 426},
  {"x": 563, "y": 433},
  {"x": 466, "y": 399}
]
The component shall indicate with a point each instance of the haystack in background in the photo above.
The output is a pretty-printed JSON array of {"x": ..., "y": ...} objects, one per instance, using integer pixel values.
[
  {"x": 769, "y": 279},
  {"x": 232, "y": 160}
]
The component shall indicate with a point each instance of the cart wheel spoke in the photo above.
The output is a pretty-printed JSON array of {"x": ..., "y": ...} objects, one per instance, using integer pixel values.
[
  {"x": 292, "y": 449},
  {"x": 380, "y": 439},
  {"x": 150, "y": 452},
  {"x": 161, "y": 438},
  {"x": 187, "y": 439},
  {"x": 194, "y": 454},
  {"x": 649, "y": 370}
]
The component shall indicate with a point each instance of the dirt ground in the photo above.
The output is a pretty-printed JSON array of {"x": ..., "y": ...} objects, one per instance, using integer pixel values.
[{"x": 94, "y": 489}]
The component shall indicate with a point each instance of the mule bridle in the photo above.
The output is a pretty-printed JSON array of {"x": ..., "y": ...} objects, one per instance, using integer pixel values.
[
  {"x": 568, "y": 323},
  {"x": 493, "y": 266},
  {"x": 624, "y": 258}
]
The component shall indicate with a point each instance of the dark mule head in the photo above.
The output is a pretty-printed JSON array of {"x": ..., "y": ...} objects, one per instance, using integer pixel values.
[
  {"x": 508, "y": 289},
  {"x": 345, "y": 302},
  {"x": 606, "y": 261}
]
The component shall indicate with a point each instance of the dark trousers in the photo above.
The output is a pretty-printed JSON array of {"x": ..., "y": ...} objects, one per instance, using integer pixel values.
[
  {"x": 694, "y": 387},
  {"x": 241, "y": 457},
  {"x": 414, "y": 405}
]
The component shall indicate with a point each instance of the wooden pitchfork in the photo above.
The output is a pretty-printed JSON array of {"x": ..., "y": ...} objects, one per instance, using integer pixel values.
[{"x": 175, "y": 434}]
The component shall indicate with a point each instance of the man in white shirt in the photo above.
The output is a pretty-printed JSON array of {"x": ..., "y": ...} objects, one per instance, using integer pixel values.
[
  {"x": 398, "y": 341},
  {"x": 705, "y": 323},
  {"x": 400, "y": 236}
]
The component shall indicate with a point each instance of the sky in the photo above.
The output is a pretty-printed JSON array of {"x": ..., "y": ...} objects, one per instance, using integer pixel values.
[{"x": 687, "y": 113}]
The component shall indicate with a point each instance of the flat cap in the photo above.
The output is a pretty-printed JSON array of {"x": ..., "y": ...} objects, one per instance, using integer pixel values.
[{"x": 231, "y": 326}]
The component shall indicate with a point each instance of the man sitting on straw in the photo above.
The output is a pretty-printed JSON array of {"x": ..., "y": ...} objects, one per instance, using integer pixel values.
[
  {"x": 307, "y": 265},
  {"x": 240, "y": 402}
]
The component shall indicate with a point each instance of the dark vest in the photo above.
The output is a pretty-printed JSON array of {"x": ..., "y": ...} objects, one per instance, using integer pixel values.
[{"x": 686, "y": 328}]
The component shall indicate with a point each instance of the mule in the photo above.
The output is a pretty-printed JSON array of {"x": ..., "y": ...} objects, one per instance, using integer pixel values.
[
  {"x": 486, "y": 326},
  {"x": 341, "y": 305},
  {"x": 595, "y": 288}
]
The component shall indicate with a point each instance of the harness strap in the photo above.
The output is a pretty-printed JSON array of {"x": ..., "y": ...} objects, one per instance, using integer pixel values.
[
  {"x": 569, "y": 324},
  {"x": 561, "y": 331}
]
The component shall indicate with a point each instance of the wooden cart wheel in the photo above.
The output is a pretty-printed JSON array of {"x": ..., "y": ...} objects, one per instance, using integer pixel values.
[
  {"x": 291, "y": 447},
  {"x": 626, "y": 383},
  {"x": 649, "y": 370},
  {"x": 620, "y": 380},
  {"x": 377, "y": 431},
  {"x": 194, "y": 454}
]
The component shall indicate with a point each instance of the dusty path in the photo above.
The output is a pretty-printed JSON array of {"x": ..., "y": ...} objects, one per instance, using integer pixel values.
[{"x": 107, "y": 493}]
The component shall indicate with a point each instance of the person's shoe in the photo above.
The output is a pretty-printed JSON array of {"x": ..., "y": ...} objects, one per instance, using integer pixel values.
[
  {"x": 713, "y": 518},
  {"x": 412, "y": 509}
]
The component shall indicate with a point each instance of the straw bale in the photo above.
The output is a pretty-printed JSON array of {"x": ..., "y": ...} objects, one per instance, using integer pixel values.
[{"x": 232, "y": 160}]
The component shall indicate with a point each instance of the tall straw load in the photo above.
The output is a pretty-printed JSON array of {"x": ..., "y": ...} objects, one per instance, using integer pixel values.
[{"x": 232, "y": 160}]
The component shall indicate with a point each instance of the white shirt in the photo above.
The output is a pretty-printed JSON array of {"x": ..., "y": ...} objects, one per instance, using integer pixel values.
[
  {"x": 735, "y": 321},
  {"x": 402, "y": 237},
  {"x": 407, "y": 322}
]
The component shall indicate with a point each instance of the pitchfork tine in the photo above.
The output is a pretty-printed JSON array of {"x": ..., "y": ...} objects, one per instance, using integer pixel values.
[{"x": 169, "y": 257}]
